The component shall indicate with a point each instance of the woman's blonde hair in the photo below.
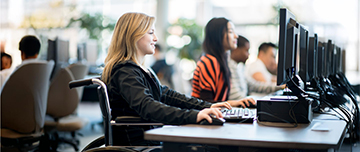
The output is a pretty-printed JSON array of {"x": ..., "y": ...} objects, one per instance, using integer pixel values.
[{"x": 129, "y": 29}]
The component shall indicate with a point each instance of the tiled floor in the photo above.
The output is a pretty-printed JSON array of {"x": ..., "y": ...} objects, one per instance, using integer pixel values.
[{"x": 93, "y": 129}]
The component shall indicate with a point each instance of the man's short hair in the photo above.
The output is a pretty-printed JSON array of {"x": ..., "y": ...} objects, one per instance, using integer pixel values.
[
  {"x": 241, "y": 41},
  {"x": 264, "y": 46},
  {"x": 30, "y": 45}
]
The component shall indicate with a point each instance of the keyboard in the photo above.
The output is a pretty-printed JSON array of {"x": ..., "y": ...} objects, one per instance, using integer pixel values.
[{"x": 241, "y": 115}]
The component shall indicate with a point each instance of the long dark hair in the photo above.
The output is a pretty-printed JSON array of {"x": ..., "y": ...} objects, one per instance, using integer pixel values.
[{"x": 215, "y": 31}]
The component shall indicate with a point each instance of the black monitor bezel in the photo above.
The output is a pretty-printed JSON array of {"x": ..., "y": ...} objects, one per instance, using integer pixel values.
[
  {"x": 313, "y": 45},
  {"x": 288, "y": 33},
  {"x": 304, "y": 54}
]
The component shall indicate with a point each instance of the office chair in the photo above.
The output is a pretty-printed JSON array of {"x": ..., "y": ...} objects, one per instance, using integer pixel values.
[
  {"x": 106, "y": 140},
  {"x": 23, "y": 106},
  {"x": 79, "y": 71},
  {"x": 61, "y": 111}
]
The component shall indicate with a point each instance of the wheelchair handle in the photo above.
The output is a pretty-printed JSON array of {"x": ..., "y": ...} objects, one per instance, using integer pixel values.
[{"x": 79, "y": 83}]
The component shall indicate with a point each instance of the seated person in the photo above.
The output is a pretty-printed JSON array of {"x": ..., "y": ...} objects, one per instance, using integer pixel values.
[
  {"x": 6, "y": 61},
  {"x": 211, "y": 80},
  {"x": 6, "y": 70},
  {"x": 240, "y": 86},
  {"x": 135, "y": 91},
  {"x": 29, "y": 47},
  {"x": 264, "y": 69}
]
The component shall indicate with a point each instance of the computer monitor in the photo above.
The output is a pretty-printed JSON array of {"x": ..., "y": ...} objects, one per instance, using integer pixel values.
[
  {"x": 288, "y": 40},
  {"x": 81, "y": 52},
  {"x": 338, "y": 60},
  {"x": 293, "y": 110},
  {"x": 305, "y": 62},
  {"x": 329, "y": 52},
  {"x": 58, "y": 51},
  {"x": 62, "y": 48},
  {"x": 312, "y": 56},
  {"x": 320, "y": 60},
  {"x": 91, "y": 52}
]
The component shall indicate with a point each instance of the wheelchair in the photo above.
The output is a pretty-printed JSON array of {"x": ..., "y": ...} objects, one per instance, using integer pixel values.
[{"x": 105, "y": 143}]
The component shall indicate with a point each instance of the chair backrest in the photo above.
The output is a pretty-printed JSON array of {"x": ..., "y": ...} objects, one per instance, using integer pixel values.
[
  {"x": 79, "y": 71},
  {"x": 24, "y": 97},
  {"x": 62, "y": 101}
]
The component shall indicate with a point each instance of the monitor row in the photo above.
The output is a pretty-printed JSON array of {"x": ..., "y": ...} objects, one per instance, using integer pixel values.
[
  {"x": 303, "y": 55},
  {"x": 58, "y": 50}
]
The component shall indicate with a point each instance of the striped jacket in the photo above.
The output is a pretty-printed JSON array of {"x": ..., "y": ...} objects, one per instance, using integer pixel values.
[{"x": 208, "y": 80}]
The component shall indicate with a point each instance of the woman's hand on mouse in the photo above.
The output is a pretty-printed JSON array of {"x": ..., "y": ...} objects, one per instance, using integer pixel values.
[{"x": 205, "y": 114}]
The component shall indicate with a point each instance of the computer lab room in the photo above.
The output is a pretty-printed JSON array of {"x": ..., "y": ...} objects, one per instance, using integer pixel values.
[{"x": 180, "y": 75}]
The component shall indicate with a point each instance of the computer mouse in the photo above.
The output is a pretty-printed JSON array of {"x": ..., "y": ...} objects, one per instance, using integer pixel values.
[
  {"x": 215, "y": 121},
  {"x": 251, "y": 105}
]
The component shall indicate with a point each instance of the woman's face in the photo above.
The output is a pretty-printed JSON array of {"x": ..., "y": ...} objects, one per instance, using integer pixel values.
[
  {"x": 230, "y": 38},
  {"x": 146, "y": 44}
]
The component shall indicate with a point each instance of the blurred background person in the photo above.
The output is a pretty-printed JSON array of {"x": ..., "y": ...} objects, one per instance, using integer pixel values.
[
  {"x": 163, "y": 71},
  {"x": 264, "y": 69},
  {"x": 6, "y": 61},
  {"x": 6, "y": 70},
  {"x": 29, "y": 47},
  {"x": 241, "y": 87}
]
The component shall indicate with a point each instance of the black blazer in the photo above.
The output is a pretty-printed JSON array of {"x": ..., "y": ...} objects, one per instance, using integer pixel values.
[{"x": 134, "y": 92}]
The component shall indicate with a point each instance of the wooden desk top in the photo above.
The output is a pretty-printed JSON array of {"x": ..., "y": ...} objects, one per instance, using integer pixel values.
[{"x": 255, "y": 135}]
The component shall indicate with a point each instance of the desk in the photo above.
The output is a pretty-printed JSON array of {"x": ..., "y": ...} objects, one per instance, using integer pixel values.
[{"x": 255, "y": 135}]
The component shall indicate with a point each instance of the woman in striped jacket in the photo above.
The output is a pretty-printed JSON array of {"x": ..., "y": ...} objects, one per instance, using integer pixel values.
[{"x": 211, "y": 81}]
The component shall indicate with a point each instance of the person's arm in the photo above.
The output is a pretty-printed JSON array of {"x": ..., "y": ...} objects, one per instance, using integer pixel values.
[
  {"x": 134, "y": 90},
  {"x": 236, "y": 93},
  {"x": 260, "y": 87},
  {"x": 177, "y": 99},
  {"x": 258, "y": 76}
]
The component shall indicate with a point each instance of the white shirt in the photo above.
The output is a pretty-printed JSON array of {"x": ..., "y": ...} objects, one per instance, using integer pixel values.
[
  {"x": 258, "y": 66},
  {"x": 4, "y": 74},
  {"x": 239, "y": 87}
]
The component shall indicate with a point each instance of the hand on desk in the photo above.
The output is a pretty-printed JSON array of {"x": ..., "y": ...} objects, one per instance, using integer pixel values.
[
  {"x": 205, "y": 114},
  {"x": 246, "y": 102}
]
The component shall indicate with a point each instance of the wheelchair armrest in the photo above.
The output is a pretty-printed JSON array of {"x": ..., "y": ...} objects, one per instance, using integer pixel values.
[
  {"x": 133, "y": 120},
  {"x": 129, "y": 119}
]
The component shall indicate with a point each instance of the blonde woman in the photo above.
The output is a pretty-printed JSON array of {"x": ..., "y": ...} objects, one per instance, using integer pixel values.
[{"x": 135, "y": 91}]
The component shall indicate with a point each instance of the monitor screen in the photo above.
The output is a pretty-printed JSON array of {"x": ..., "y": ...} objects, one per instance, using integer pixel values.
[
  {"x": 91, "y": 52},
  {"x": 288, "y": 40},
  {"x": 81, "y": 52},
  {"x": 312, "y": 56},
  {"x": 320, "y": 60},
  {"x": 62, "y": 49},
  {"x": 58, "y": 51},
  {"x": 328, "y": 57},
  {"x": 338, "y": 60},
  {"x": 304, "y": 54},
  {"x": 51, "y": 50}
]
